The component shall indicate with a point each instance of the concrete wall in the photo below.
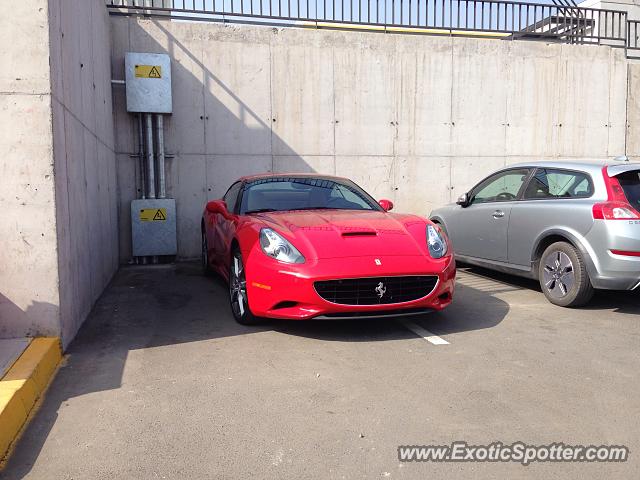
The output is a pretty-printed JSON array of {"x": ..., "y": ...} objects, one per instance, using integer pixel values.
[
  {"x": 27, "y": 191},
  {"x": 57, "y": 170},
  {"x": 85, "y": 168},
  {"x": 417, "y": 119}
]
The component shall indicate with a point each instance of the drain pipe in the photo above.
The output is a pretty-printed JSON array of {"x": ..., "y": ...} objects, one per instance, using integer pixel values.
[
  {"x": 143, "y": 175},
  {"x": 162, "y": 187},
  {"x": 151, "y": 180}
]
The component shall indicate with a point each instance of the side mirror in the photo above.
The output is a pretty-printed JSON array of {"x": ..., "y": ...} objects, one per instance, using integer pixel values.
[
  {"x": 217, "y": 206},
  {"x": 463, "y": 200},
  {"x": 386, "y": 204}
]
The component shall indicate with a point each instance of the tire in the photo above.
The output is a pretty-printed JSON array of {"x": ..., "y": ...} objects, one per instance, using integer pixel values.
[
  {"x": 204, "y": 255},
  {"x": 238, "y": 299},
  {"x": 563, "y": 276}
]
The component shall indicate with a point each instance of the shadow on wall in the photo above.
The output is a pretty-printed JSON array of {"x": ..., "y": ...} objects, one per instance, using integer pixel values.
[
  {"x": 30, "y": 322},
  {"x": 147, "y": 312},
  {"x": 215, "y": 135}
]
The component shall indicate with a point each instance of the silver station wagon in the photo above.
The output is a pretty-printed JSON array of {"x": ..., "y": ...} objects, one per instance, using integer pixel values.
[{"x": 574, "y": 226}]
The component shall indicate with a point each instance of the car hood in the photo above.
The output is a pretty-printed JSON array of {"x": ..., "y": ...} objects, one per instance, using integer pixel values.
[{"x": 349, "y": 233}]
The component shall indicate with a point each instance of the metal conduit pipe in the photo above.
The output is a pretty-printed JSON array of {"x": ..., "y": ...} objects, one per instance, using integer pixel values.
[
  {"x": 162, "y": 187},
  {"x": 141, "y": 160},
  {"x": 151, "y": 180}
]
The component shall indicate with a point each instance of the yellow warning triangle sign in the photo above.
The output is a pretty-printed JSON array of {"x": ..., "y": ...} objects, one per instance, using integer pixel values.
[
  {"x": 154, "y": 73},
  {"x": 159, "y": 215}
]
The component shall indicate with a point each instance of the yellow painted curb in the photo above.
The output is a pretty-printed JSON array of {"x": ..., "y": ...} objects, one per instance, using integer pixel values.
[{"x": 23, "y": 385}]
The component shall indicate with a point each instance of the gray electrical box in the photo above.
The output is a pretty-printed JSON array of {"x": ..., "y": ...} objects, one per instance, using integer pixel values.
[
  {"x": 148, "y": 82},
  {"x": 153, "y": 227}
]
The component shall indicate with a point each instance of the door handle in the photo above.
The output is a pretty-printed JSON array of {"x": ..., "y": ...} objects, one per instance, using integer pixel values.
[{"x": 498, "y": 214}]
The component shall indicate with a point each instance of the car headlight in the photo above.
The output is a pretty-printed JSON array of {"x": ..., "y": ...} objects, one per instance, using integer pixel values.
[
  {"x": 278, "y": 247},
  {"x": 436, "y": 243}
]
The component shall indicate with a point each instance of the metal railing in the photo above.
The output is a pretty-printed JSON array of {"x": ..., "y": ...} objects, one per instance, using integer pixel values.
[
  {"x": 633, "y": 42},
  {"x": 560, "y": 23}
]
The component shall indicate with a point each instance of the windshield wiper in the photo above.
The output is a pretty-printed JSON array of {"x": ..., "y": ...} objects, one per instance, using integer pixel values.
[
  {"x": 314, "y": 208},
  {"x": 260, "y": 210}
]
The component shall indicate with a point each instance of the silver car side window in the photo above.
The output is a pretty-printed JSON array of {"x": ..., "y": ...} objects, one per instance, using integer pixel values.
[
  {"x": 555, "y": 183},
  {"x": 501, "y": 187}
]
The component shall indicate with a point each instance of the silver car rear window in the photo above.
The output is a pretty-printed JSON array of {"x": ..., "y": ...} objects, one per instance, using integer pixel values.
[{"x": 630, "y": 182}]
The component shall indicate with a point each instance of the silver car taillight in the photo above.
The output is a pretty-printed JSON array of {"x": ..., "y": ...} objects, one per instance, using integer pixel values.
[{"x": 617, "y": 207}]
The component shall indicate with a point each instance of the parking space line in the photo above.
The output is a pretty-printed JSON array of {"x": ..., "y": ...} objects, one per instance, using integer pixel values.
[{"x": 424, "y": 333}]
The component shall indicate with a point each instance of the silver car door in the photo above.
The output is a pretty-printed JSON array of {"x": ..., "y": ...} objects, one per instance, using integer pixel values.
[
  {"x": 480, "y": 229},
  {"x": 553, "y": 200}
]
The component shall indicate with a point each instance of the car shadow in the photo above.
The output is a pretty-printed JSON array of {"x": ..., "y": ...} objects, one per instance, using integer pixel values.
[
  {"x": 167, "y": 305},
  {"x": 619, "y": 301}
]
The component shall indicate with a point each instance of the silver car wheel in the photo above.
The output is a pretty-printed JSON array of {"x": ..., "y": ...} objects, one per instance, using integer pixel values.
[
  {"x": 238, "y": 287},
  {"x": 559, "y": 276}
]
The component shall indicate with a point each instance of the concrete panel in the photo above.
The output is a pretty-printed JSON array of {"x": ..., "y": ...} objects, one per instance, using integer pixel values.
[
  {"x": 25, "y": 53},
  {"x": 302, "y": 94},
  {"x": 633, "y": 111},
  {"x": 422, "y": 184},
  {"x": 324, "y": 164},
  {"x": 63, "y": 224},
  {"x": 236, "y": 96},
  {"x": 88, "y": 248},
  {"x": 25, "y": 139},
  {"x": 71, "y": 45},
  {"x": 119, "y": 44},
  {"x": 189, "y": 174},
  {"x": 424, "y": 96},
  {"x": 223, "y": 170},
  {"x": 617, "y": 102},
  {"x": 532, "y": 84},
  {"x": 55, "y": 49},
  {"x": 79, "y": 224},
  {"x": 128, "y": 181},
  {"x": 466, "y": 172},
  {"x": 126, "y": 129},
  {"x": 91, "y": 231},
  {"x": 365, "y": 110},
  {"x": 102, "y": 97},
  {"x": 27, "y": 199},
  {"x": 87, "y": 64},
  {"x": 479, "y": 96},
  {"x": 374, "y": 174},
  {"x": 583, "y": 114}
]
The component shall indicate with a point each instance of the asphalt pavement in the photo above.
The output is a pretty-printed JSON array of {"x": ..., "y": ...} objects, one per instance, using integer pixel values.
[{"x": 162, "y": 383}]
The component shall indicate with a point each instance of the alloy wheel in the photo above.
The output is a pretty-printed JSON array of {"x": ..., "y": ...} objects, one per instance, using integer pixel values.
[
  {"x": 559, "y": 276},
  {"x": 238, "y": 287},
  {"x": 205, "y": 252}
]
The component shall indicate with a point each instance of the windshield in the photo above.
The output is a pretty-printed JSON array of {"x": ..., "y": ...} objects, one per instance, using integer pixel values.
[
  {"x": 290, "y": 193},
  {"x": 630, "y": 182}
]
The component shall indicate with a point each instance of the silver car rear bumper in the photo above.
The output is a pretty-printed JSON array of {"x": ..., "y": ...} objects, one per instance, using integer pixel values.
[{"x": 606, "y": 269}]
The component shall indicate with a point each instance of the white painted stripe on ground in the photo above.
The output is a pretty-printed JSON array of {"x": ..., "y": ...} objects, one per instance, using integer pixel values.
[{"x": 424, "y": 333}]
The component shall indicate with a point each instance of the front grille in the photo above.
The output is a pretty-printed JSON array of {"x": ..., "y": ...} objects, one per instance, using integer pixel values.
[{"x": 376, "y": 290}]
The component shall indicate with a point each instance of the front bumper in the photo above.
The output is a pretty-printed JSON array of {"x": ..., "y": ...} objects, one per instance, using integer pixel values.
[{"x": 280, "y": 290}]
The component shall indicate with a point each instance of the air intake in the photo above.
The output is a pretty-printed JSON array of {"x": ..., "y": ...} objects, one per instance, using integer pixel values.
[{"x": 365, "y": 233}]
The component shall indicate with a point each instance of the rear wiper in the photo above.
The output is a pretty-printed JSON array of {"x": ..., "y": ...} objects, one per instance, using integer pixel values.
[{"x": 260, "y": 210}]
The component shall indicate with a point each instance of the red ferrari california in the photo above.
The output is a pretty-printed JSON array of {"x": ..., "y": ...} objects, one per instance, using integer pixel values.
[{"x": 309, "y": 246}]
